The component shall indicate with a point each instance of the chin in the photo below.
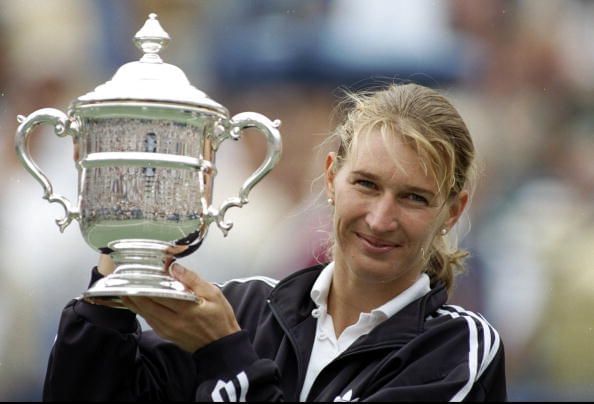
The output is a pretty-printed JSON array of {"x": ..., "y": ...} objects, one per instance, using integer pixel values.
[
  {"x": 372, "y": 270},
  {"x": 373, "y": 273}
]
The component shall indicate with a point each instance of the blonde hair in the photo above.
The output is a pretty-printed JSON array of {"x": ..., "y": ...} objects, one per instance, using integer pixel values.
[{"x": 427, "y": 121}]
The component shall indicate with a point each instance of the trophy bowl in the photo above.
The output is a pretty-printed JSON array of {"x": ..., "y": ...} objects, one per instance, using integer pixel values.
[{"x": 145, "y": 144}]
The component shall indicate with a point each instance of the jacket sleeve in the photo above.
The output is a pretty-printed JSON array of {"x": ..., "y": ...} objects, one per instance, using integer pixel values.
[
  {"x": 101, "y": 354},
  {"x": 454, "y": 386},
  {"x": 462, "y": 360},
  {"x": 230, "y": 370}
]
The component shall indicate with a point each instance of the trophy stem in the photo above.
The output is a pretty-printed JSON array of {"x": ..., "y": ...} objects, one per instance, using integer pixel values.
[{"x": 139, "y": 272}]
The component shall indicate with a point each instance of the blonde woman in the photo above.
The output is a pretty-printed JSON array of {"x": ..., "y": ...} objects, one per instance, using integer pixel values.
[{"x": 371, "y": 325}]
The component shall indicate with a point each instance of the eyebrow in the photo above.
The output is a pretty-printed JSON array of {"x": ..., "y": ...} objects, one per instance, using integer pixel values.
[{"x": 411, "y": 188}]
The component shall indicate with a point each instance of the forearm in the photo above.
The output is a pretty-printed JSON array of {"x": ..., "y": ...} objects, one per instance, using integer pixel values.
[
  {"x": 92, "y": 361},
  {"x": 100, "y": 354}
]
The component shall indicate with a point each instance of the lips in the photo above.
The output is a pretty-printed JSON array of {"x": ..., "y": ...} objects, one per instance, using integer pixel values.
[{"x": 376, "y": 245}]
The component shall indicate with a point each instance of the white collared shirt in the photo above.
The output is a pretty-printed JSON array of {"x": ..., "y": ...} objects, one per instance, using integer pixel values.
[{"x": 326, "y": 346}]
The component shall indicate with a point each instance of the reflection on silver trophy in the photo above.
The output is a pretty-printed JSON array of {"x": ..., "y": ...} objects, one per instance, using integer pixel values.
[{"x": 145, "y": 146}]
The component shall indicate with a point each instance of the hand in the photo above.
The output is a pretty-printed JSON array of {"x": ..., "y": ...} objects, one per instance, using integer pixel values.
[
  {"x": 191, "y": 325},
  {"x": 106, "y": 265}
]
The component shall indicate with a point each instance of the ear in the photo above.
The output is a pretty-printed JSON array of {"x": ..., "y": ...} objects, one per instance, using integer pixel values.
[
  {"x": 330, "y": 174},
  {"x": 456, "y": 209}
]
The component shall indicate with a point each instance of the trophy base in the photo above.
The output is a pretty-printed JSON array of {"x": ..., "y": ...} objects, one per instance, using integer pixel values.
[
  {"x": 139, "y": 272},
  {"x": 107, "y": 291}
]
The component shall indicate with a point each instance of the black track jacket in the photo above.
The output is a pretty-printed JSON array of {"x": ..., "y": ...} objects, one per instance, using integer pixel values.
[{"x": 428, "y": 351}]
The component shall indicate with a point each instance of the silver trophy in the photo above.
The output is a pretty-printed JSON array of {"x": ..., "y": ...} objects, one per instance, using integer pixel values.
[{"x": 145, "y": 146}]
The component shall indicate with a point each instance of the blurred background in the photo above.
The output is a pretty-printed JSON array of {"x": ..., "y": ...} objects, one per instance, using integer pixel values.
[{"x": 520, "y": 72}]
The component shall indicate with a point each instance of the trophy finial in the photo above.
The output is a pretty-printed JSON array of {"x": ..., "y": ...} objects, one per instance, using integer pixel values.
[{"x": 151, "y": 38}]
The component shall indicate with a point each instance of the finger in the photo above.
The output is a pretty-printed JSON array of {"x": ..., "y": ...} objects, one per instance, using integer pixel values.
[
  {"x": 178, "y": 305},
  {"x": 177, "y": 249},
  {"x": 192, "y": 281},
  {"x": 106, "y": 265},
  {"x": 169, "y": 259},
  {"x": 132, "y": 305},
  {"x": 146, "y": 307},
  {"x": 129, "y": 304}
]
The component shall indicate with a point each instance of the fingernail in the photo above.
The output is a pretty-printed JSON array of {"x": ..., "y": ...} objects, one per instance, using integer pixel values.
[{"x": 176, "y": 270}]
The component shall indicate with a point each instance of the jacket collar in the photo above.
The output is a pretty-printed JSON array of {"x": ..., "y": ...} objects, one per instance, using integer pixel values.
[
  {"x": 291, "y": 300},
  {"x": 291, "y": 296}
]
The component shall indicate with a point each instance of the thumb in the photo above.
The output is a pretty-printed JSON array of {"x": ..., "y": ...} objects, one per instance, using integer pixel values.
[{"x": 184, "y": 275}]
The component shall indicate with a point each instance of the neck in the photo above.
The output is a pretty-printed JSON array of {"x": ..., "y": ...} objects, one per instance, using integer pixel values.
[
  {"x": 349, "y": 296},
  {"x": 343, "y": 309}
]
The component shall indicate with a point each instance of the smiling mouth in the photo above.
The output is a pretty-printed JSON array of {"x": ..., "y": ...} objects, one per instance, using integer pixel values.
[{"x": 375, "y": 244}]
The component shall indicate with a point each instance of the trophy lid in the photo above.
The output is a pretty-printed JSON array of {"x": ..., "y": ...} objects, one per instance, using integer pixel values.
[{"x": 150, "y": 79}]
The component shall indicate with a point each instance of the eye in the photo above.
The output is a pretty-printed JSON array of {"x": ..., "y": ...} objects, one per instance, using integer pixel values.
[
  {"x": 365, "y": 184},
  {"x": 416, "y": 198}
]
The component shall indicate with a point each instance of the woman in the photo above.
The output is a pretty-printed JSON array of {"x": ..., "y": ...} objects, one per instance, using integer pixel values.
[{"x": 371, "y": 325}]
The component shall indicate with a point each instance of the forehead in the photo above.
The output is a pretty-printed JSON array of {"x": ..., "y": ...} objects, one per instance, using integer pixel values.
[{"x": 391, "y": 158}]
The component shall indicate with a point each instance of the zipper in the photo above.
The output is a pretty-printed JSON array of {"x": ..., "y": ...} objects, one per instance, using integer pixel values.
[{"x": 348, "y": 354}]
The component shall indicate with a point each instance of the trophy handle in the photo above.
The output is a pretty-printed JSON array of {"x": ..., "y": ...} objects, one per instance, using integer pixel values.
[
  {"x": 62, "y": 127},
  {"x": 269, "y": 129}
]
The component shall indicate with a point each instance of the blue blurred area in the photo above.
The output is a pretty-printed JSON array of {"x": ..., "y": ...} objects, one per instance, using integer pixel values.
[
  {"x": 521, "y": 73},
  {"x": 333, "y": 43}
]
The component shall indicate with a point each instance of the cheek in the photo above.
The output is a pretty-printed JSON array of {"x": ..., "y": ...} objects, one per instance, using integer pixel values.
[
  {"x": 347, "y": 213},
  {"x": 341, "y": 221},
  {"x": 348, "y": 208},
  {"x": 419, "y": 225}
]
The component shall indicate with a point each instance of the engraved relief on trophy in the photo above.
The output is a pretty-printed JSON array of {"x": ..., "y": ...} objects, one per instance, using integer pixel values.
[{"x": 140, "y": 195}]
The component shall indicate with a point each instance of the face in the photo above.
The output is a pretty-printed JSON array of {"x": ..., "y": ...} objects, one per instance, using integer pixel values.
[{"x": 386, "y": 213}]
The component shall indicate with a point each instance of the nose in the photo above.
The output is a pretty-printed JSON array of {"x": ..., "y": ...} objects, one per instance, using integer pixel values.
[{"x": 382, "y": 214}]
